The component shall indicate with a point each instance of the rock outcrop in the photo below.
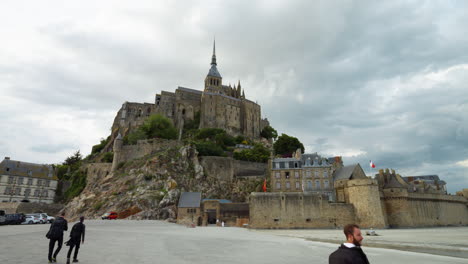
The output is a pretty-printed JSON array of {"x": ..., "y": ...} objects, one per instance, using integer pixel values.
[{"x": 149, "y": 187}]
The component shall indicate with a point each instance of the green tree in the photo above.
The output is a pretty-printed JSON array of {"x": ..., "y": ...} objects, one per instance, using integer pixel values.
[
  {"x": 97, "y": 148},
  {"x": 108, "y": 157},
  {"x": 268, "y": 132},
  {"x": 158, "y": 126},
  {"x": 73, "y": 159},
  {"x": 259, "y": 153},
  {"x": 133, "y": 137},
  {"x": 208, "y": 148},
  {"x": 209, "y": 133},
  {"x": 286, "y": 145}
]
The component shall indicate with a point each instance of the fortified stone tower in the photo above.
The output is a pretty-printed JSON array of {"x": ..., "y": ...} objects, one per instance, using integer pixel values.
[
  {"x": 364, "y": 195},
  {"x": 118, "y": 143}
]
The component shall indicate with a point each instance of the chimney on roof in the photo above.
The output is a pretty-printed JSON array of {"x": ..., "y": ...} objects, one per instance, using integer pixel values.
[{"x": 7, "y": 158}]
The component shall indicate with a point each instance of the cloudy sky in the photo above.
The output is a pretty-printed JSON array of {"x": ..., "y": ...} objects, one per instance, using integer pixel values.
[{"x": 386, "y": 82}]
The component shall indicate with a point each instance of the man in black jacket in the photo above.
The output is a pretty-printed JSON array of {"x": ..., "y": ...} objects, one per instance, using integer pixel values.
[
  {"x": 56, "y": 235},
  {"x": 350, "y": 252},
  {"x": 77, "y": 236}
]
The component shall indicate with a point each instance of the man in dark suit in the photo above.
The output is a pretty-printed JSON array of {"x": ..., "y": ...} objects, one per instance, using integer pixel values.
[
  {"x": 350, "y": 252},
  {"x": 55, "y": 234},
  {"x": 77, "y": 236}
]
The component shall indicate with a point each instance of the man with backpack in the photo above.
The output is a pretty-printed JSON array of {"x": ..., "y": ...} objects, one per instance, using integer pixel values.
[
  {"x": 77, "y": 236},
  {"x": 55, "y": 234}
]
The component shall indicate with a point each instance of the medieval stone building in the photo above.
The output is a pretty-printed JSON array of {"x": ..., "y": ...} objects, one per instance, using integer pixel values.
[{"x": 218, "y": 105}]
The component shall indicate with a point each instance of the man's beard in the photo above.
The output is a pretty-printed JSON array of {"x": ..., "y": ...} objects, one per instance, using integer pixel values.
[{"x": 356, "y": 243}]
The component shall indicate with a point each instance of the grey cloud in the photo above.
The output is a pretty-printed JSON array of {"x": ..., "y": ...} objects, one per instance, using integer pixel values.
[{"x": 324, "y": 71}]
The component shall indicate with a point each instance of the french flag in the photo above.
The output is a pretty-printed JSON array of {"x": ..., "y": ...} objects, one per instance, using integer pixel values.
[{"x": 372, "y": 165}]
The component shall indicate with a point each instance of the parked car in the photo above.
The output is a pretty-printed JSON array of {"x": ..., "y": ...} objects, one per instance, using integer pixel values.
[
  {"x": 2, "y": 217},
  {"x": 31, "y": 219},
  {"x": 15, "y": 219},
  {"x": 49, "y": 218},
  {"x": 109, "y": 216},
  {"x": 42, "y": 218}
]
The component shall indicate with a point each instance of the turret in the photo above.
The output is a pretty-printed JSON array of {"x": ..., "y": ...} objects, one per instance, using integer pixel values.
[{"x": 118, "y": 143}]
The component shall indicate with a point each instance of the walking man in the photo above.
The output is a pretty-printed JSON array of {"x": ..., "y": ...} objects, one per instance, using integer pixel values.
[
  {"x": 56, "y": 235},
  {"x": 77, "y": 236},
  {"x": 350, "y": 252}
]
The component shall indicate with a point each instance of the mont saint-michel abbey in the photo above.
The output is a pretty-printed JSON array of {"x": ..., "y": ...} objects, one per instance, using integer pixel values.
[{"x": 219, "y": 106}]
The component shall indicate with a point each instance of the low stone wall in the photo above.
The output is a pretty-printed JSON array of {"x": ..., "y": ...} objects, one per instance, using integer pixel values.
[
  {"x": 226, "y": 169},
  {"x": 50, "y": 209},
  {"x": 29, "y": 208},
  {"x": 297, "y": 210},
  {"x": 9, "y": 208}
]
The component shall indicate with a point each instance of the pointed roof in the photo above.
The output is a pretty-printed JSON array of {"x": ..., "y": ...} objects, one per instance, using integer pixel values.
[
  {"x": 190, "y": 199},
  {"x": 348, "y": 172},
  {"x": 213, "y": 70}
]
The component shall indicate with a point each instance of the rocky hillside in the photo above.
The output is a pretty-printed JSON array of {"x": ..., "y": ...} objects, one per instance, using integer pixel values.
[{"x": 149, "y": 187}]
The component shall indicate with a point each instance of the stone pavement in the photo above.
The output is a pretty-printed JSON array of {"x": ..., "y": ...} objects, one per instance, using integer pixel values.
[
  {"x": 124, "y": 241},
  {"x": 446, "y": 241}
]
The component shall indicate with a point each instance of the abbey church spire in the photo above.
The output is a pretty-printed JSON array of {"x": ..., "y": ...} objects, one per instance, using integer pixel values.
[
  {"x": 213, "y": 58},
  {"x": 213, "y": 80},
  {"x": 213, "y": 70}
]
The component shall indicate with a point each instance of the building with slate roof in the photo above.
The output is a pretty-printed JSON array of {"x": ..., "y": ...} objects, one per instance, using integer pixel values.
[
  {"x": 310, "y": 173},
  {"x": 218, "y": 106},
  {"x": 188, "y": 209},
  {"x": 24, "y": 181}
]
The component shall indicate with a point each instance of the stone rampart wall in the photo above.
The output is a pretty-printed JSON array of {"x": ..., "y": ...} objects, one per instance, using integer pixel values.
[
  {"x": 297, "y": 210},
  {"x": 226, "y": 169},
  {"x": 417, "y": 210},
  {"x": 143, "y": 148}
]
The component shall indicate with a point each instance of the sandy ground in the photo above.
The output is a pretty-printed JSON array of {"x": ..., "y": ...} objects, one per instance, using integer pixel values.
[
  {"x": 448, "y": 241},
  {"x": 123, "y": 241}
]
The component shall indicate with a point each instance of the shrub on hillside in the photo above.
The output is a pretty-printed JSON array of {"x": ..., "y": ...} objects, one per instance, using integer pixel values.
[
  {"x": 258, "y": 154},
  {"x": 208, "y": 149}
]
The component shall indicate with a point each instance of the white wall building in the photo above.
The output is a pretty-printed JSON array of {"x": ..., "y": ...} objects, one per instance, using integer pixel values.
[{"x": 24, "y": 181}]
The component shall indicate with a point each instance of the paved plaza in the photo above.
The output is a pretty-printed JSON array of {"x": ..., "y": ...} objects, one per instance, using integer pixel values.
[{"x": 123, "y": 241}]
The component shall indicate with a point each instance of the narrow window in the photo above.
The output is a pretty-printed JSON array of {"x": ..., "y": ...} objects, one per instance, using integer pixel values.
[
  {"x": 296, "y": 174},
  {"x": 278, "y": 185},
  {"x": 317, "y": 184},
  {"x": 288, "y": 185},
  {"x": 277, "y": 175},
  {"x": 286, "y": 174},
  {"x": 298, "y": 185}
]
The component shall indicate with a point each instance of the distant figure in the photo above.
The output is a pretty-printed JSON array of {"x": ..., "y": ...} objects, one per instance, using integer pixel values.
[
  {"x": 77, "y": 236},
  {"x": 350, "y": 252},
  {"x": 222, "y": 224},
  {"x": 55, "y": 234}
]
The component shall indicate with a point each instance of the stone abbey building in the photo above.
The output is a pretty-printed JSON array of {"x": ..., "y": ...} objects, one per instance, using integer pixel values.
[{"x": 219, "y": 106}]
